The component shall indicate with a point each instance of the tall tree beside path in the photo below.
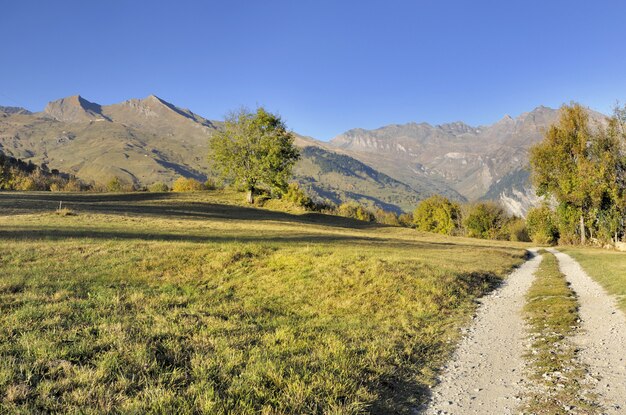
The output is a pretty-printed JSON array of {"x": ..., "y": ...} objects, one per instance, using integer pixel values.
[
  {"x": 582, "y": 167},
  {"x": 254, "y": 150}
]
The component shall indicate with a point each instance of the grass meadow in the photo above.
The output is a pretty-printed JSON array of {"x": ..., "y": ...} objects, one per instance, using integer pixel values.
[
  {"x": 194, "y": 303},
  {"x": 606, "y": 267}
]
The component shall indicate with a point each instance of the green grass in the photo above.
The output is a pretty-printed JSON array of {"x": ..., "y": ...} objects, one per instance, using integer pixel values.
[
  {"x": 551, "y": 313},
  {"x": 162, "y": 303},
  {"x": 606, "y": 267}
]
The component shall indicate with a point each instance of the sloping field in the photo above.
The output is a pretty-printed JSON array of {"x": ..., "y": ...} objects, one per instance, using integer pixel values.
[{"x": 189, "y": 304}]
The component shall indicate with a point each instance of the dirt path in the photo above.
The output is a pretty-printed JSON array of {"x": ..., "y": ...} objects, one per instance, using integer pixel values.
[
  {"x": 485, "y": 374},
  {"x": 603, "y": 336}
]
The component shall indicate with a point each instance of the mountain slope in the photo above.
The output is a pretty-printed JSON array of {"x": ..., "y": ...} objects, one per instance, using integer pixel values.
[
  {"x": 340, "y": 178},
  {"x": 468, "y": 159},
  {"x": 477, "y": 162},
  {"x": 149, "y": 140}
]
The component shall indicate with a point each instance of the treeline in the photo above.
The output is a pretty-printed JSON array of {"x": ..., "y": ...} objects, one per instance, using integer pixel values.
[
  {"x": 485, "y": 220},
  {"x": 437, "y": 214},
  {"x": 16, "y": 174}
]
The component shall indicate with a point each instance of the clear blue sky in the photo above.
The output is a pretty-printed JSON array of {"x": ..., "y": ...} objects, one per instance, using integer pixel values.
[{"x": 325, "y": 66}]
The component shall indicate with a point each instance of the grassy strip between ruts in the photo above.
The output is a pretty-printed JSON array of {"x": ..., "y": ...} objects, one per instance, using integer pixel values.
[{"x": 556, "y": 375}]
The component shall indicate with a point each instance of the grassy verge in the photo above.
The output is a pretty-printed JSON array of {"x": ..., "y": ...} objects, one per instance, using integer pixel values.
[
  {"x": 606, "y": 267},
  {"x": 551, "y": 313},
  {"x": 181, "y": 304}
]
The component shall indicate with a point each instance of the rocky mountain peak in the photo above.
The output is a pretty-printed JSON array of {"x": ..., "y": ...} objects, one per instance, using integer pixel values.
[
  {"x": 153, "y": 99},
  {"x": 74, "y": 109},
  {"x": 457, "y": 128},
  {"x": 14, "y": 110}
]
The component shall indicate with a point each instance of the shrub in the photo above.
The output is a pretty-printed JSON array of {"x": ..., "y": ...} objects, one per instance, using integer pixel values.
[
  {"x": 517, "y": 230},
  {"x": 73, "y": 185},
  {"x": 65, "y": 212},
  {"x": 119, "y": 185},
  {"x": 542, "y": 225},
  {"x": 386, "y": 218},
  {"x": 25, "y": 183},
  {"x": 355, "y": 211},
  {"x": 158, "y": 187},
  {"x": 486, "y": 220},
  {"x": 187, "y": 184},
  {"x": 437, "y": 214},
  {"x": 210, "y": 184},
  {"x": 296, "y": 195},
  {"x": 406, "y": 220}
]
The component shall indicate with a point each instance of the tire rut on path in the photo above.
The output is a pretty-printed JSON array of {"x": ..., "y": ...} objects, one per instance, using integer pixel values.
[
  {"x": 485, "y": 375},
  {"x": 602, "y": 340}
]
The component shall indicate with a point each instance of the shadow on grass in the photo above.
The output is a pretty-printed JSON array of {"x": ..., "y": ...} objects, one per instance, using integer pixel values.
[
  {"x": 60, "y": 234},
  {"x": 63, "y": 233},
  {"x": 129, "y": 204}
]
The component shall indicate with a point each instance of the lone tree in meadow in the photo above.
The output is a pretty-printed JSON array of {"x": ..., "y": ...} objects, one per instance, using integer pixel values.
[{"x": 255, "y": 151}]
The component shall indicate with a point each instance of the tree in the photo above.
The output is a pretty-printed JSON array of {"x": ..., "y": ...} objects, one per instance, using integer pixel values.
[
  {"x": 255, "y": 151},
  {"x": 583, "y": 168},
  {"x": 561, "y": 163},
  {"x": 486, "y": 220},
  {"x": 437, "y": 214},
  {"x": 355, "y": 211},
  {"x": 542, "y": 225},
  {"x": 609, "y": 151},
  {"x": 187, "y": 184}
]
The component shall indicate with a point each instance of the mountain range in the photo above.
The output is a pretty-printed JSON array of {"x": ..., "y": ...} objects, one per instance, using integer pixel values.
[{"x": 393, "y": 167}]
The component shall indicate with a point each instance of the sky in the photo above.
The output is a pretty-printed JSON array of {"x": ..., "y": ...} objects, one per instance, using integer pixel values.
[{"x": 324, "y": 66}]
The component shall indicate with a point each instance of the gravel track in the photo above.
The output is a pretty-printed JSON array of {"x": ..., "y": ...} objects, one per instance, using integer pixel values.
[
  {"x": 602, "y": 340},
  {"x": 485, "y": 375}
]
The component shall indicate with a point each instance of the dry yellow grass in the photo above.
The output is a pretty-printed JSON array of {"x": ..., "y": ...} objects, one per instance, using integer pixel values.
[{"x": 191, "y": 304}]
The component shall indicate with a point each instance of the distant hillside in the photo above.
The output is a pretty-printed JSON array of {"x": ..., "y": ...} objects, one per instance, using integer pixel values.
[
  {"x": 468, "y": 159},
  {"x": 13, "y": 110},
  {"x": 340, "y": 178},
  {"x": 141, "y": 141},
  {"x": 148, "y": 140},
  {"x": 478, "y": 162}
]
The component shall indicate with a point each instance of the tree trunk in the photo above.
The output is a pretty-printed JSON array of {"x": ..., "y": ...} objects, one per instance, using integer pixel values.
[
  {"x": 250, "y": 196},
  {"x": 583, "y": 236}
]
